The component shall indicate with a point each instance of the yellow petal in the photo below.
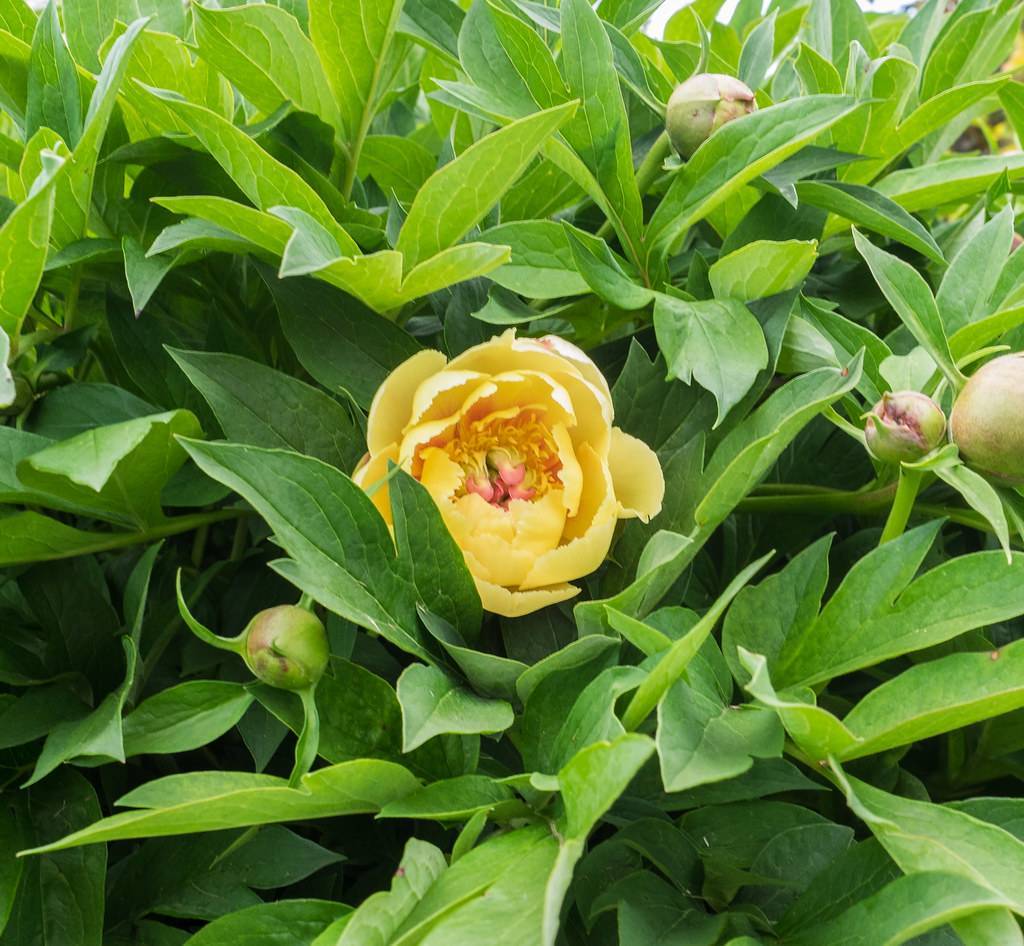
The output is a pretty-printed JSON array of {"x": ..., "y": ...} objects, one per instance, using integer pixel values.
[
  {"x": 636, "y": 473},
  {"x": 513, "y": 604},
  {"x": 593, "y": 412},
  {"x": 571, "y": 475},
  {"x": 440, "y": 474},
  {"x": 373, "y": 471},
  {"x": 442, "y": 394},
  {"x": 392, "y": 404},
  {"x": 502, "y": 545},
  {"x": 587, "y": 536},
  {"x": 571, "y": 353},
  {"x": 507, "y": 353}
]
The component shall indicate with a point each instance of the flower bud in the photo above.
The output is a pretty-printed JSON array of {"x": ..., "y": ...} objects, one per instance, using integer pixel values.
[
  {"x": 988, "y": 419},
  {"x": 286, "y": 647},
  {"x": 703, "y": 104},
  {"x": 904, "y": 426}
]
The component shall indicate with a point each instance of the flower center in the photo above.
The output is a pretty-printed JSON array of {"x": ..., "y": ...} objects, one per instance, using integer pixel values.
[{"x": 505, "y": 458}]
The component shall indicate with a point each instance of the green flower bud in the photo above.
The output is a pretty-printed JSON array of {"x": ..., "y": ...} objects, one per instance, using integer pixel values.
[
  {"x": 988, "y": 419},
  {"x": 286, "y": 647},
  {"x": 703, "y": 104},
  {"x": 23, "y": 396},
  {"x": 904, "y": 426}
]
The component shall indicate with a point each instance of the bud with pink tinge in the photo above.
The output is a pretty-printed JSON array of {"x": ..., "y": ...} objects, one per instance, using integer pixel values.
[
  {"x": 988, "y": 419},
  {"x": 904, "y": 426},
  {"x": 703, "y": 104},
  {"x": 286, "y": 647}
]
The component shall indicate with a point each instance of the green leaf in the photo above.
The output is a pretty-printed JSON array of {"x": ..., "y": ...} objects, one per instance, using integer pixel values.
[
  {"x": 738, "y": 152},
  {"x": 117, "y": 471},
  {"x": 340, "y": 342},
  {"x": 74, "y": 197},
  {"x": 921, "y": 836},
  {"x": 912, "y": 299},
  {"x": 980, "y": 495},
  {"x": 257, "y": 405},
  {"x": 30, "y": 537},
  {"x": 875, "y": 614},
  {"x": 433, "y": 703},
  {"x": 599, "y": 132},
  {"x": 938, "y": 696},
  {"x": 815, "y": 730},
  {"x": 341, "y": 551},
  {"x": 543, "y": 265},
  {"x": 906, "y": 908},
  {"x": 281, "y": 923},
  {"x": 967, "y": 283},
  {"x": 59, "y": 898},
  {"x": 262, "y": 50},
  {"x": 747, "y": 453},
  {"x": 94, "y": 738},
  {"x": 603, "y": 273},
  {"x": 399, "y": 165},
  {"x": 762, "y": 268},
  {"x": 949, "y": 181},
  {"x": 970, "y": 47},
  {"x": 184, "y": 717},
  {"x": 214, "y": 801},
  {"x": 89, "y": 24},
  {"x": 53, "y": 97},
  {"x": 867, "y": 208},
  {"x": 435, "y": 23},
  {"x": 18, "y": 19},
  {"x": 24, "y": 241},
  {"x": 262, "y": 178},
  {"x": 454, "y": 799},
  {"x": 382, "y": 914},
  {"x": 444, "y": 585},
  {"x": 717, "y": 342},
  {"x": 595, "y": 777},
  {"x": 757, "y": 53},
  {"x": 703, "y": 738},
  {"x": 674, "y": 661},
  {"x": 352, "y": 39},
  {"x": 459, "y": 195}
]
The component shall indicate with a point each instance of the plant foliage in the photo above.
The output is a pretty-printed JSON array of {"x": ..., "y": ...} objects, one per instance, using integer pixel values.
[{"x": 788, "y": 710}]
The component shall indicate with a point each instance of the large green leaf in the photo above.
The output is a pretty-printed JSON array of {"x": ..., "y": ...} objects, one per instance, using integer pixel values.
[
  {"x": 340, "y": 548},
  {"x": 117, "y": 472},
  {"x": 257, "y": 405},
  {"x": 352, "y": 39},
  {"x": 261, "y": 177},
  {"x": 738, "y": 152},
  {"x": 762, "y": 268},
  {"x": 433, "y": 703},
  {"x": 263, "y": 51},
  {"x": 878, "y": 612},
  {"x": 24, "y": 241},
  {"x": 213, "y": 801},
  {"x": 599, "y": 133},
  {"x": 717, "y": 342},
  {"x": 89, "y": 24},
  {"x": 458, "y": 196}
]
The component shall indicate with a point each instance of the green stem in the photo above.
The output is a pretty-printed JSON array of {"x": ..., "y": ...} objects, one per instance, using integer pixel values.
[
  {"x": 902, "y": 505},
  {"x": 309, "y": 739},
  {"x": 108, "y": 541},
  {"x": 306, "y": 601},
  {"x": 199, "y": 544},
  {"x": 239, "y": 540},
  {"x": 71, "y": 299}
]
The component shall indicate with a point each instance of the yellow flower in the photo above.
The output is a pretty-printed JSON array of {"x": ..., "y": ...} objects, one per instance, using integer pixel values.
[{"x": 514, "y": 440}]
